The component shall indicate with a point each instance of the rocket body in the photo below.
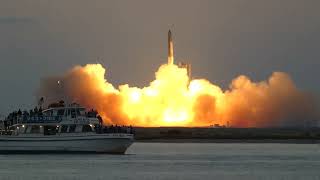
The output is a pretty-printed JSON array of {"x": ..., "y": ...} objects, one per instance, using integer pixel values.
[{"x": 170, "y": 49}]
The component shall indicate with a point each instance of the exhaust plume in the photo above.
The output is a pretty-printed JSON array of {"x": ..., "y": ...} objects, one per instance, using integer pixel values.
[{"x": 172, "y": 99}]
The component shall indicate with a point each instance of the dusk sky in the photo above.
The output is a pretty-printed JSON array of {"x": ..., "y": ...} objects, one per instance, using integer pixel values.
[{"x": 221, "y": 39}]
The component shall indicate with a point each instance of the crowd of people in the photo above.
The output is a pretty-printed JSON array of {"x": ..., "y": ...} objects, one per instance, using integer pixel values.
[{"x": 14, "y": 116}]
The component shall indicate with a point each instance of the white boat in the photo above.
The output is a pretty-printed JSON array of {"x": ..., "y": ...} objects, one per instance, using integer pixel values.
[{"x": 63, "y": 130}]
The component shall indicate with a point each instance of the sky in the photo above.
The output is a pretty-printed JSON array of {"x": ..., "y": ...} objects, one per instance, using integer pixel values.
[{"x": 222, "y": 39}]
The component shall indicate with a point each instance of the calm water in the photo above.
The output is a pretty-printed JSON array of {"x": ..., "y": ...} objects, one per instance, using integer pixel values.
[{"x": 173, "y": 161}]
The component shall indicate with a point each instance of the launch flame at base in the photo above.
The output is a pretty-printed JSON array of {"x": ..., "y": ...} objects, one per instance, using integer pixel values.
[{"x": 174, "y": 100}]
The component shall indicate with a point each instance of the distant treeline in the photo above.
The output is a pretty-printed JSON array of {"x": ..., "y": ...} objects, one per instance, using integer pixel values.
[{"x": 226, "y": 133}]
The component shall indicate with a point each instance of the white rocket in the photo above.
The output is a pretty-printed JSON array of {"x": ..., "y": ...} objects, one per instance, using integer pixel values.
[{"x": 170, "y": 49}]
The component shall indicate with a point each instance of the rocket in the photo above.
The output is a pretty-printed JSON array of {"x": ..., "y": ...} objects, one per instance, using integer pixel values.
[{"x": 170, "y": 49}]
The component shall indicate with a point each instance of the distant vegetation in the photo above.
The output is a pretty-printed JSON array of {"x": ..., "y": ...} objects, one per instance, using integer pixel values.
[{"x": 226, "y": 133}]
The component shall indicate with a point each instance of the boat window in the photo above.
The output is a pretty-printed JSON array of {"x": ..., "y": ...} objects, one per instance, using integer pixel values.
[
  {"x": 22, "y": 129},
  {"x": 48, "y": 113},
  {"x": 72, "y": 128},
  {"x": 82, "y": 112},
  {"x": 49, "y": 130},
  {"x": 35, "y": 129},
  {"x": 64, "y": 129},
  {"x": 92, "y": 113},
  {"x": 79, "y": 129},
  {"x": 78, "y": 112},
  {"x": 60, "y": 112},
  {"x": 28, "y": 129},
  {"x": 86, "y": 128},
  {"x": 73, "y": 113}
]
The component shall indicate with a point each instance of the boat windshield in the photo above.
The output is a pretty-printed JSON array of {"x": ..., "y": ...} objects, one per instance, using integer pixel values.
[{"x": 60, "y": 112}]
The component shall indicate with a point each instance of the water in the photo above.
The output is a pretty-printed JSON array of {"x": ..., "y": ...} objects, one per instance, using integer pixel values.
[{"x": 174, "y": 161}]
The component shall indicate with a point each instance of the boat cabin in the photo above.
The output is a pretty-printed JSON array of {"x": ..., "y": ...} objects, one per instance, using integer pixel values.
[{"x": 71, "y": 112}]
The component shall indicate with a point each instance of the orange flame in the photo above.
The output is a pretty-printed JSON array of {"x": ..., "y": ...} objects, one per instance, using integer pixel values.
[{"x": 174, "y": 100}]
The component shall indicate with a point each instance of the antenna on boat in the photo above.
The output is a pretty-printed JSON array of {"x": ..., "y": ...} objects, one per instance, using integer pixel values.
[{"x": 40, "y": 102}]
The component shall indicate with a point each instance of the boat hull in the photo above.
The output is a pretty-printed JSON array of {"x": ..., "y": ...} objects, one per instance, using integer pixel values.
[{"x": 98, "y": 143}]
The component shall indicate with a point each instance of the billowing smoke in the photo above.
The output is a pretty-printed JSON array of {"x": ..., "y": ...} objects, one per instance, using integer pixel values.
[{"x": 174, "y": 100}]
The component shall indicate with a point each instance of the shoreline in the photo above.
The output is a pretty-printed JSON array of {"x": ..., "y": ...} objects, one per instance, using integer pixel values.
[
  {"x": 280, "y": 141},
  {"x": 228, "y": 135}
]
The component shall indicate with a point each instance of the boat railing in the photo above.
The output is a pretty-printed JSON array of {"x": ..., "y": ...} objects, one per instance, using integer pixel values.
[{"x": 96, "y": 129}]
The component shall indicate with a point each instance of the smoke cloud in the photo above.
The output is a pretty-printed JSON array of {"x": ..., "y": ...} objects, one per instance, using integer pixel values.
[{"x": 174, "y": 100}]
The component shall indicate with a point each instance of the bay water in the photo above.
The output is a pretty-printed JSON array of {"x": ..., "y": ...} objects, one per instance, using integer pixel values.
[{"x": 222, "y": 161}]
